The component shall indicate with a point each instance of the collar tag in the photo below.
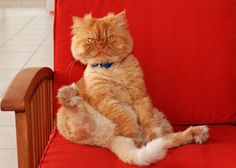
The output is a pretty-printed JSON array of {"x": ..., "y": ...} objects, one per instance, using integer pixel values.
[{"x": 105, "y": 65}]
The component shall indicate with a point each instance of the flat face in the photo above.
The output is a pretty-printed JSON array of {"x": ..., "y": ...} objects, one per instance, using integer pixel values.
[
  {"x": 99, "y": 40},
  {"x": 186, "y": 48}
]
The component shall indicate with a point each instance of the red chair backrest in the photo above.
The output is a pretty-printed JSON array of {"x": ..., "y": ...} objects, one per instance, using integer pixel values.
[{"x": 187, "y": 49}]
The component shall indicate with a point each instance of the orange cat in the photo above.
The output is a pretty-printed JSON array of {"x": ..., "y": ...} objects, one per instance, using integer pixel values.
[{"x": 109, "y": 106}]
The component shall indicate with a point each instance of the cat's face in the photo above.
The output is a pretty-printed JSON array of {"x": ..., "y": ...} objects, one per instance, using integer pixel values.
[{"x": 101, "y": 40}]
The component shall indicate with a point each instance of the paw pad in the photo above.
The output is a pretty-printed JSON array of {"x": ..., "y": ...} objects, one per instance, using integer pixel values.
[{"x": 68, "y": 96}]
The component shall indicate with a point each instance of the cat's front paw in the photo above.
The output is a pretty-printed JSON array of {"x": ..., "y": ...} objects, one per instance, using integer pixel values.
[{"x": 68, "y": 96}]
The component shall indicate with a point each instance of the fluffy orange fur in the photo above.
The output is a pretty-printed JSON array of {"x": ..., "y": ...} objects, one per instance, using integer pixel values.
[{"x": 110, "y": 107}]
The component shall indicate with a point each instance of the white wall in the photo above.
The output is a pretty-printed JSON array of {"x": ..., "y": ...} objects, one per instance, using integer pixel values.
[{"x": 22, "y": 3}]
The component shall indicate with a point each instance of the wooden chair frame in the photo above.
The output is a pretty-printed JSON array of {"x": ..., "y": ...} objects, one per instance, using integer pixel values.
[{"x": 30, "y": 95}]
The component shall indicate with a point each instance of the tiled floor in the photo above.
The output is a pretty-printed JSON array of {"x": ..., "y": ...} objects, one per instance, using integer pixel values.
[{"x": 25, "y": 41}]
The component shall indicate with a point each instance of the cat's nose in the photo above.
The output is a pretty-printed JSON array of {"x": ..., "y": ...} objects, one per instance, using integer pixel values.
[{"x": 100, "y": 45}]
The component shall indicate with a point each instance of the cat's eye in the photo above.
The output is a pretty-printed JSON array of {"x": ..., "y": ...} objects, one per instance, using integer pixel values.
[
  {"x": 91, "y": 40},
  {"x": 110, "y": 38}
]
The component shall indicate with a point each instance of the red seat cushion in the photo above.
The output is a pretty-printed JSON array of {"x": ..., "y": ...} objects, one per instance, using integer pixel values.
[
  {"x": 187, "y": 49},
  {"x": 218, "y": 152}
]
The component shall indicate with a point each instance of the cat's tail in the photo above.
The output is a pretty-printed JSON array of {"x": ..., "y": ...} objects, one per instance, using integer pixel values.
[{"x": 127, "y": 151}]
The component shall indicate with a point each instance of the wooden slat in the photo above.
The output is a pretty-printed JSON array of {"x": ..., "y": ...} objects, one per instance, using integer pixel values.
[
  {"x": 47, "y": 106},
  {"x": 31, "y": 118},
  {"x": 51, "y": 105},
  {"x": 41, "y": 107},
  {"x": 44, "y": 112},
  {"x": 22, "y": 141}
]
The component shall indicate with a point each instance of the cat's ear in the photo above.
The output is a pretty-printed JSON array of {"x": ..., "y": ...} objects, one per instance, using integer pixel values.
[
  {"x": 77, "y": 21},
  {"x": 88, "y": 16},
  {"x": 120, "y": 19},
  {"x": 121, "y": 16}
]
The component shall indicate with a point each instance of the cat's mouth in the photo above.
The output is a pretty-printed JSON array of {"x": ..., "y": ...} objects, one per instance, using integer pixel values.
[{"x": 102, "y": 53}]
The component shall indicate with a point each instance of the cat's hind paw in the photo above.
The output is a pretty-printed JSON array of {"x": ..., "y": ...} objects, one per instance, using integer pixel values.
[
  {"x": 200, "y": 133},
  {"x": 68, "y": 96}
]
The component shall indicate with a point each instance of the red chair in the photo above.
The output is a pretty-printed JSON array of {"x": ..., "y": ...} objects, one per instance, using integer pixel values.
[{"x": 187, "y": 49}]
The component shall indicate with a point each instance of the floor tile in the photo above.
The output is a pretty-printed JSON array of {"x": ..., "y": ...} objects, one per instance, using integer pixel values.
[
  {"x": 17, "y": 41},
  {"x": 15, "y": 56},
  {"x": 42, "y": 56},
  {"x": 17, "y": 49},
  {"x": 8, "y": 137},
  {"x": 40, "y": 63},
  {"x": 4, "y": 32},
  {"x": 34, "y": 33},
  {"x": 8, "y": 158},
  {"x": 7, "y": 118},
  {"x": 15, "y": 21},
  {"x": 11, "y": 63},
  {"x": 8, "y": 73},
  {"x": 37, "y": 28},
  {"x": 7, "y": 12},
  {"x": 21, "y": 12},
  {"x": 23, "y": 38},
  {"x": 2, "y": 41},
  {"x": 45, "y": 50},
  {"x": 6, "y": 36},
  {"x": 4, "y": 84}
]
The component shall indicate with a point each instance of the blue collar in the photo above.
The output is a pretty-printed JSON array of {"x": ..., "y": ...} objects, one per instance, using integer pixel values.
[{"x": 103, "y": 65}]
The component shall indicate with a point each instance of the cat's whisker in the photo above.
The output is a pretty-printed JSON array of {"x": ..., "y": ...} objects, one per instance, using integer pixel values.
[{"x": 69, "y": 69}]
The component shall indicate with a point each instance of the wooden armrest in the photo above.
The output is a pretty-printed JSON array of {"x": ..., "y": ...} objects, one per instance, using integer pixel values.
[
  {"x": 21, "y": 88},
  {"x": 30, "y": 95}
]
